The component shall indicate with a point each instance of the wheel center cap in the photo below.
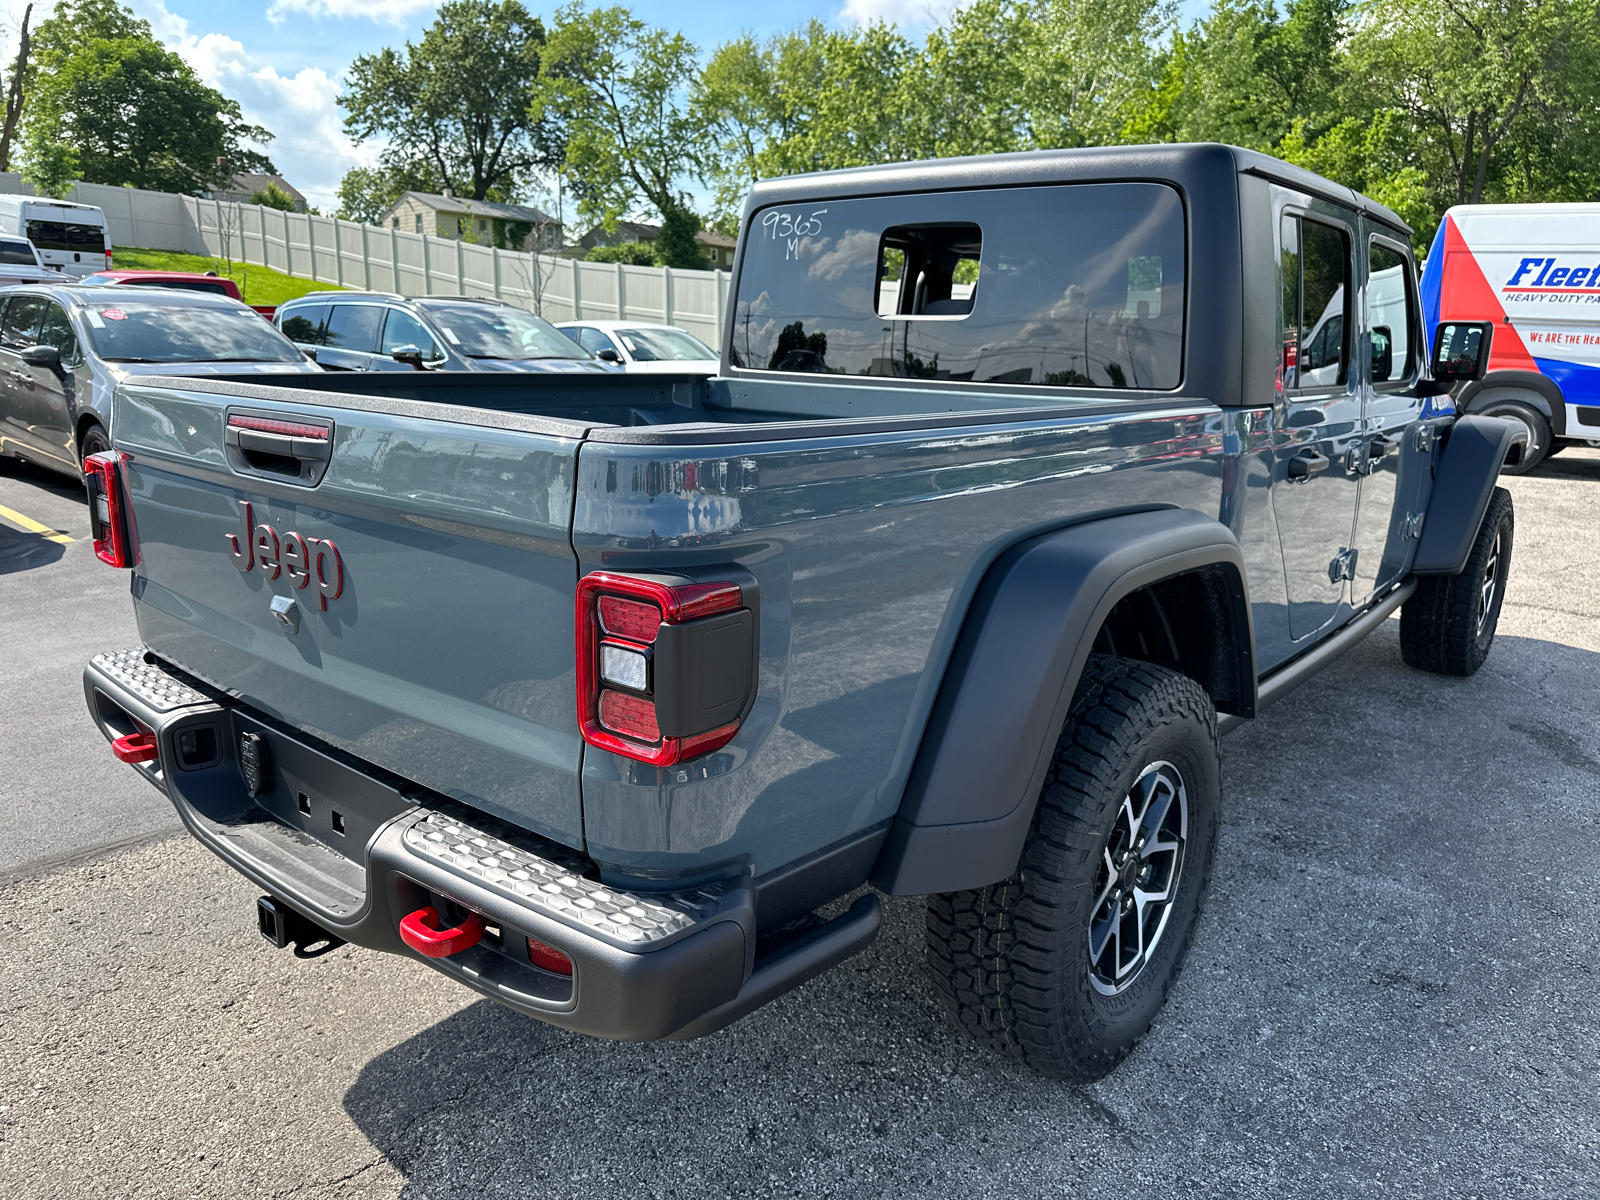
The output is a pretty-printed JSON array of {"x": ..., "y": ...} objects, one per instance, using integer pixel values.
[{"x": 1130, "y": 872}]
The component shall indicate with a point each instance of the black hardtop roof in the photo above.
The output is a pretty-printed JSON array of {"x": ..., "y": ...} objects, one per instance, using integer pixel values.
[{"x": 1058, "y": 166}]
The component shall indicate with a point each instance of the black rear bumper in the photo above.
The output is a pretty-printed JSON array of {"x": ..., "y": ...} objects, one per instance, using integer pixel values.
[{"x": 354, "y": 850}]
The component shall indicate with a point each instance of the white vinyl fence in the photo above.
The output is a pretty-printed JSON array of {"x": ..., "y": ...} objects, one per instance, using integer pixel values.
[{"x": 389, "y": 260}]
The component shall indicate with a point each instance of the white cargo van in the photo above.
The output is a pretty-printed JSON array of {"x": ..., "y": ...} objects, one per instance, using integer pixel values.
[
  {"x": 69, "y": 237},
  {"x": 1534, "y": 270}
]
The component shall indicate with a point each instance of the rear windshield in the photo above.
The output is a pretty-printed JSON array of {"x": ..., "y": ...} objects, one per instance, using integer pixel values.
[
  {"x": 63, "y": 235},
  {"x": 664, "y": 345},
  {"x": 1080, "y": 285},
  {"x": 488, "y": 331},
  {"x": 17, "y": 254},
  {"x": 131, "y": 331}
]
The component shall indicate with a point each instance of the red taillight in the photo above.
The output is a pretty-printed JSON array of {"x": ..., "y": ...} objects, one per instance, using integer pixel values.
[
  {"x": 629, "y": 618},
  {"x": 631, "y": 716},
  {"x": 548, "y": 958},
  {"x": 108, "y": 514},
  {"x": 618, "y": 706}
]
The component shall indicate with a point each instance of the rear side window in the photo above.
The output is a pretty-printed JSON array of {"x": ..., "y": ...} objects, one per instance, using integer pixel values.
[
  {"x": 16, "y": 254},
  {"x": 22, "y": 320},
  {"x": 1074, "y": 286},
  {"x": 63, "y": 235},
  {"x": 190, "y": 285},
  {"x": 1314, "y": 303},
  {"x": 304, "y": 324},
  {"x": 353, "y": 327}
]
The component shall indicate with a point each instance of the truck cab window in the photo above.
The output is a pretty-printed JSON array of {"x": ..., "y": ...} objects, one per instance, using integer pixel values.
[
  {"x": 1314, "y": 303},
  {"x": 1066, "y": 286}
]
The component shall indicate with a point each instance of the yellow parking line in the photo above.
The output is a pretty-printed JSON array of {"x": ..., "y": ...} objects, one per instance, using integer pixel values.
[{"x": 32, "y": 526}]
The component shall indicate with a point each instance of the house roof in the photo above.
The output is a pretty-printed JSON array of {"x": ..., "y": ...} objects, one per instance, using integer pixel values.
[
  {"x": 645, "y": 232},
  {"x": 479, "y": 208},
  {"x": 249, "y": 183}
]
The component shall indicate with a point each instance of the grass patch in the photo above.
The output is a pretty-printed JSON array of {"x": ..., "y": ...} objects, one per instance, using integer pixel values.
[{"x": 260, "y": 285}]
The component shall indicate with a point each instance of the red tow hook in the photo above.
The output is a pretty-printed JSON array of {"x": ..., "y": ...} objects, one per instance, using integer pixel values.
[
  {"x": 136, "y": 748},
  {"x": 420, "y": 930}
]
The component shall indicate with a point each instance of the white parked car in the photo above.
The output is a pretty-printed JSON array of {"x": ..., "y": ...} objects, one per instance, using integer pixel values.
[
  {"x": 643, "y": 348},
  {"x": 70, "y": 238},
  {"x": 21, "y": 263}
]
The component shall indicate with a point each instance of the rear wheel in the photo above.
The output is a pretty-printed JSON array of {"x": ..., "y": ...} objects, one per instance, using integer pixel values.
[
  {"x": 1506, "y": 404},
  {"x": 1066, "y": 964},
  {"x": 1449, "y": 623}
]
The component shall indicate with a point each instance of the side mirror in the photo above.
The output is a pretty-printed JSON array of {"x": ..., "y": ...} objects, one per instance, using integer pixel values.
[
  {"x": 409, "y": 355},
  {"x": 310, "y": 352},
  {"x": 1461, "y": 351},
  {"x": 1382, "y": 343},
  {"x": 47, "y": 357},
  {"x": 608, "y": 355}
]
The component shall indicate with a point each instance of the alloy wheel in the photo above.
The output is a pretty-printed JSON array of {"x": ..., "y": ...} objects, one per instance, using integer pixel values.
[{"x": 1137, "y": 881}]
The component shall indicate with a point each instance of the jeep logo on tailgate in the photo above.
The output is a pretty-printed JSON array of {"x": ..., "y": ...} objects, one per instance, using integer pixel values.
[{"x": 305, "y": 560}]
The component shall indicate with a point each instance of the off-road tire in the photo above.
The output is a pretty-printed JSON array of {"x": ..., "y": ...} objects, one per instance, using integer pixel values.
[
  {"x": 93, "y": 441},
  {"x": 1443, "y": 629},
  {"x": 1505, "y": 404},
  {"x": 1011, "y": 961}
]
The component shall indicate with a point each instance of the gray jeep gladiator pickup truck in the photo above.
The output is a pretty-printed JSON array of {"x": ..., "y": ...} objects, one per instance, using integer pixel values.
[{"x": 1025, "y": 477}]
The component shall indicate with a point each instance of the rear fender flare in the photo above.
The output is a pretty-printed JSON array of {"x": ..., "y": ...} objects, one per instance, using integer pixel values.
[{"x": 1001, "y": 705}]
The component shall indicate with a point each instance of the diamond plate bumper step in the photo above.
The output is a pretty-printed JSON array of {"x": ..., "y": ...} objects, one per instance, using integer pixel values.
[{"x": 646, "y": 964}]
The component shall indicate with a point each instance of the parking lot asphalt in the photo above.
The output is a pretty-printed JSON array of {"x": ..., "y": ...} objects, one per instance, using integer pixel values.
[{"x": 1392, "y": 992}]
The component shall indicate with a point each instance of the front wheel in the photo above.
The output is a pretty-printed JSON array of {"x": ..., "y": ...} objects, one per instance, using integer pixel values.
[
  {"x": 93, "y": 441},
  {"x": 1448, "y": 624},
  {"x": 1066, "y": 964}
]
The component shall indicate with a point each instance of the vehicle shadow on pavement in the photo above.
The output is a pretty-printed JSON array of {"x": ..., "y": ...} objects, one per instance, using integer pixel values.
[
  {"x": 24, "y": 551},
  {"x": 1393, "y": 984}
]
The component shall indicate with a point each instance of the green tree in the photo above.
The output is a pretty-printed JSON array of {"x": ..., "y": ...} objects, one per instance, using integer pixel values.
[
  {"x": 1503, "y": 95},
  {"x": 455, "y": 108},
  {"x": 635, "y": 254},
  {"x": 620, "y": 91},
  {"x": 273, "y": 196},
  {"x": 107, "y": 103},
  {"x": 675, "y": 245}
]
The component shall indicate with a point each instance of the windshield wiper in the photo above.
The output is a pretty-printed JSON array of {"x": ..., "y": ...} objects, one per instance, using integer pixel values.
[{"x": 137, "y": 360}]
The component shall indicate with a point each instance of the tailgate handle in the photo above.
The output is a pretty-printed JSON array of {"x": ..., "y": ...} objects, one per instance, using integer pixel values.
[{"x": 297, "y": 448}]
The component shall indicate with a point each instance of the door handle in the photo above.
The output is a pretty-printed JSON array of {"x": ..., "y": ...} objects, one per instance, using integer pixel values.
[{"x": 1306, "y": 464}]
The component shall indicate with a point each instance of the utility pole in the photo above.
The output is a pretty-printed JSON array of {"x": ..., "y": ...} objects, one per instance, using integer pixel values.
[{"x": 14, "y": 94}]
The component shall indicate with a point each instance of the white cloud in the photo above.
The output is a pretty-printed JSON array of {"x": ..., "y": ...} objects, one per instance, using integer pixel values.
[
  {"x": 388, "y": 12},
  {"x": 910, "y": 15},
  {"x": 310, "y": 148}
]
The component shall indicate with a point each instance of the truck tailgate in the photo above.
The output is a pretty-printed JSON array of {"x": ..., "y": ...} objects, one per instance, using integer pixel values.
[{"x": 429, "y": 566}]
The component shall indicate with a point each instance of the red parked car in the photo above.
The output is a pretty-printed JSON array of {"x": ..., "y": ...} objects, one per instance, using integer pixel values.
[{"x": 219, "y": 285}]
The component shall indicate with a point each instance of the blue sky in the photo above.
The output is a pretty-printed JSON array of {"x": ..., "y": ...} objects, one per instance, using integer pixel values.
[{"x": 283, "y": 60}]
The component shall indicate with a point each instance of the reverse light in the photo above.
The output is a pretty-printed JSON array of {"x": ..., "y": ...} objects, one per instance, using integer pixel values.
[
  {"x": 665, "y": 669},
  {"x": 108, "y": 510},
  {"x": 624, "y": 666}
]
